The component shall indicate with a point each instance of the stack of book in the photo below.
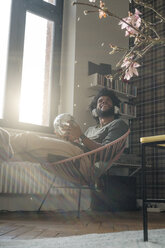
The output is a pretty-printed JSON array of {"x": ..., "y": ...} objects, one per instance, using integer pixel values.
[
  {"x": 97, "y": 79},
  {"x": 127, "y": 109}
]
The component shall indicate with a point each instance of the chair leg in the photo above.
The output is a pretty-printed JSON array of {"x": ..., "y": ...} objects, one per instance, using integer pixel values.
[
  {"x": 79, "y": 202},
  {"x": 46, "y": 194},
  {"x": 145, "y": 214}
]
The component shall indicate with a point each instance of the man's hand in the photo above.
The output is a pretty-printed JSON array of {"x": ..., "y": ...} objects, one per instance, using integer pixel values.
[
  {"x": 71, "y": 131},
  {"x": 74, "y": 131}
]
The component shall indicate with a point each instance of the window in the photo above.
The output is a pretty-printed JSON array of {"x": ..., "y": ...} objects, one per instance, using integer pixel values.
[
  {"x": 51, "y": 1},
  {"x": 4, "y": 27},
  {"x": 31, "y": 88},
  {"x": 36, "y": 74}
]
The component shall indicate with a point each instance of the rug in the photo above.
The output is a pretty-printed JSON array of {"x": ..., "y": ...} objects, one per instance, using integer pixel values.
[{"x": 127, "y": 239}]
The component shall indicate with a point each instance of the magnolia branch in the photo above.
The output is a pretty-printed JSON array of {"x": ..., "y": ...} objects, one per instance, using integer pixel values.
[
  {"x": 149, "y": 6},
  {"x": 108, "y": 13},
  {"x": 144, "y": 34}
]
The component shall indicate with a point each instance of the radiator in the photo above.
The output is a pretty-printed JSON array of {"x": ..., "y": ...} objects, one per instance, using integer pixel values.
[{"x": 30, "y": 178}]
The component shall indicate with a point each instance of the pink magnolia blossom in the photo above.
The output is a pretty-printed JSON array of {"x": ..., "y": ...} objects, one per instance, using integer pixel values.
[
  {"x": 130, "y": 67},
  {"x": 101, "y": 12},
  {"x": 134, "y": 20}
]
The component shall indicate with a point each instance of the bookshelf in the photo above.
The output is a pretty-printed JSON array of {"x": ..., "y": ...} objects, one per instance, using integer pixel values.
[{"x": 124, "y": 90}]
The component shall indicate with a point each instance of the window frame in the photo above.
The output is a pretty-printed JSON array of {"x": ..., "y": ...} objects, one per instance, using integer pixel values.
[{"x": 15, "y": 60}]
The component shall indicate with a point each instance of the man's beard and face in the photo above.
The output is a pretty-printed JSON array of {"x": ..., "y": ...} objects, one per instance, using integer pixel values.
[
  {"x": 105, "y": 107},
  {"x": 107, "y": 113}
]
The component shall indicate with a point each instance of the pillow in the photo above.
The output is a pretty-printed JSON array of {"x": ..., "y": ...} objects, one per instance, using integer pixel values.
[{"x": 6, "y": 151}]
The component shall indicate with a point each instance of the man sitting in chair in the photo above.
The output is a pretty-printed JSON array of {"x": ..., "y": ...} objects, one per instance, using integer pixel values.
[
  {"x": 109, "y": 127},
  {"x": 35, "y": 147}
]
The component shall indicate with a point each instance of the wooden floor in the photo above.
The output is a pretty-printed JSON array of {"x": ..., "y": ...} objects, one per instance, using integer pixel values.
[{"x": 31, "y": 225}]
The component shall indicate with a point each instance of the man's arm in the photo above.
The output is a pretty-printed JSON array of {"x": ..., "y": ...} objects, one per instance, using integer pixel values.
[
  {"x": 76, "y": 133},
  {"x": 90, "y": 144},
  {"x": 115, "y": 131}
]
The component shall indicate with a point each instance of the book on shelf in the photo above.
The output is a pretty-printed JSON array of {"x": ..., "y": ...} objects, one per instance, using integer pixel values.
[
  {"x": 127, "y": 109},
  {"x": 97, "y": 79}
]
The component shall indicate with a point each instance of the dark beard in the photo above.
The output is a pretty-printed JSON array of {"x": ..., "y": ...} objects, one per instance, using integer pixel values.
[{"x": 106, "y": 113}]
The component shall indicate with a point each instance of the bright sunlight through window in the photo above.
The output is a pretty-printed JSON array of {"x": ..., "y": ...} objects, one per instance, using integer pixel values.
[
  {"x": 51, "y": 1},
  {"x": 36, "y": 74},
  {"x": 4, "y": 27}
]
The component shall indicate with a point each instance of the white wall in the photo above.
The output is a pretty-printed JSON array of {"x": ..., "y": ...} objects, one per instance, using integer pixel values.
[
  {"x": 68, "y": 58},
  {"x": 83, "y": 37}
]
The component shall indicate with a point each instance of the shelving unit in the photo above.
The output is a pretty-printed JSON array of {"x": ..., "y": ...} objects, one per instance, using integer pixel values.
[{"x": 120, "y": 93}]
